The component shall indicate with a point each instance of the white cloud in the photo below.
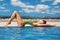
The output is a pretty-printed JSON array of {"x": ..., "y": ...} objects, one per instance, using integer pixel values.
[
  {"x": 55, "y": 11},
  {"x": 56, "y": 2},
  {"x": 40, "y": 8},
  {"x": 6, "y": 10},
  {"x": 1, "y": 0},
  {"x": 29, "y": 8},
  {"x": 57, "y": 6},
  {"x": 1, "y": 7},
  {"x": 17, "y": 3},
  {"x": 45, "y": 0},
  {"x": 20, "y": 4},
  {"x": 20, "y": 11}
]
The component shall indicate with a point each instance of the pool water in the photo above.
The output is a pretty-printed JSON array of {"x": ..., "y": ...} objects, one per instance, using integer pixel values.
[{"x": 30, "y": 33}]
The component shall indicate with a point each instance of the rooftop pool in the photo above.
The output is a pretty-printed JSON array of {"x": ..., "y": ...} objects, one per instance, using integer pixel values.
[{"x": 30, "y": 33}]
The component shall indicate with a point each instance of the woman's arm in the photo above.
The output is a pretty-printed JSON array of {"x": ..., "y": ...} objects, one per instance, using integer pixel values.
[
  {"x": 45, "y": 25},
  {"x": 42, "y": 25}
]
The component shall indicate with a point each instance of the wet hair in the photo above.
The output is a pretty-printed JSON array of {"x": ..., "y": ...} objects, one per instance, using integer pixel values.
[{"x": 44, "y": 21}]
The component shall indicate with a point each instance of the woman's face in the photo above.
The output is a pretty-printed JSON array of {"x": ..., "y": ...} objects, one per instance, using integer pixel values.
[{"x": 40, "y": 22}]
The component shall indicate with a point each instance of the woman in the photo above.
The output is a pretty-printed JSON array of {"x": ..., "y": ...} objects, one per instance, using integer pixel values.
[
  {"x": 42, "y": 23},
  {"x": 20, "y": 22}
]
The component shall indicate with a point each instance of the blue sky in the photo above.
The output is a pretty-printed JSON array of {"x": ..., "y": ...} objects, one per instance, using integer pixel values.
[{"x": 29, "y": 6}]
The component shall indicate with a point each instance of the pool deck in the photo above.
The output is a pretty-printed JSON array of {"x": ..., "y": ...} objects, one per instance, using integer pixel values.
[{"x": 2, "y": 24}]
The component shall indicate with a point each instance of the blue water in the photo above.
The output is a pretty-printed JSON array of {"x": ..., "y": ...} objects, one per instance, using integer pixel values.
[{"x": 30, "y": 33}]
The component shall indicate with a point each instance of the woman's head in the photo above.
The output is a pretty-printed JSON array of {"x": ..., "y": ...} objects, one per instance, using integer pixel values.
[{"x": 42, "y": 21}]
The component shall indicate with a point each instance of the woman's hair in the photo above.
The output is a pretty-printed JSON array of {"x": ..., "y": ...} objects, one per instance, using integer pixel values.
[{"x": 44, "y": 21}]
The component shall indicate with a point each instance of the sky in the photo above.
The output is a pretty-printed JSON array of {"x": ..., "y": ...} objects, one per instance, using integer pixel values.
[{"x": 7, "y": 7}]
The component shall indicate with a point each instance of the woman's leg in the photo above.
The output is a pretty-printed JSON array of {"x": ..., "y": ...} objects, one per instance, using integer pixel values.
[
  {"x": 11, "y": 18},
  {"x": 18, "y": 19}
]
